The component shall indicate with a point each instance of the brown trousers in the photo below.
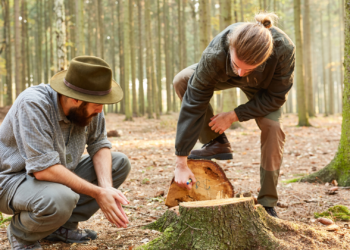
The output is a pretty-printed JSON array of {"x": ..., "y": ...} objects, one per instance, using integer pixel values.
[{"x": 272, "y": 139}]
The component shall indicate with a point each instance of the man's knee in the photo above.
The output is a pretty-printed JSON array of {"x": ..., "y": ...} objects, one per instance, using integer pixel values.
[
  {"x": 56, "y": 203},
  {"x": 121, "y": 163},
  {"x": 181, "y": 80}
]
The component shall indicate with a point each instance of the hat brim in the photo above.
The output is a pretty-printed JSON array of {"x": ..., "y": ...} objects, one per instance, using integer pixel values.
[{"x": 115, "y": 96}]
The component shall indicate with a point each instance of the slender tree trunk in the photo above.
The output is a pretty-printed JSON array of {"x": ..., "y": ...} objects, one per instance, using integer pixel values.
[
  {"x": 323, "y": 68},
  {"x": 148, "y": 59},
  {"x": 242, "y": 11},
  {"x": 100, "y": 28},
  {"x": 168, "y": 81},
  {"x": 203, "y": 25},
  {"x": 23, "y": 45},
  {"x": 330, "y": 75},
  {"x": 140, "y": 59},
  {"x": 172, "y": 51},
  {"x": 133, "y": 59},
  {"x": 39, "y": 42},
  {"x": 89, "y": 10},
  {"x": 52, "y": 67},
  {"x": 158, "y": 57},
  {"x": 195, "y": 32},
  {"x": 183, "y": 31},
  {"x": 302, "y": 112},
  {"x": 121, "y": 51},
  {"x": 7, "y": 37},
  {"x": 308, "y": 60},
  {"x": 60, "y": 34},
  {"x": 28, "y": 66},
  {"x": 46, "y": 33},
  {"x": 78, "y": 27},
  {"x": 127, "y": 48},
  {"x": 112, "y": 40}
]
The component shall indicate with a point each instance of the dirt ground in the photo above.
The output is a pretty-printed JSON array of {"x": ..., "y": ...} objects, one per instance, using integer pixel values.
[{"x": 149, "y": 144}]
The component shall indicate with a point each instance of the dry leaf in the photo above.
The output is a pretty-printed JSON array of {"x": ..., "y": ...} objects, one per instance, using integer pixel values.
[
  {"x": 113, "y": 133},
  {"x": 282, "y": 205},
  {"x": 334, "y": 183},
  {"x": 333, "y": 227},
  {"x": 325, "y": 221},
  {"x": 159, "y": 193}
]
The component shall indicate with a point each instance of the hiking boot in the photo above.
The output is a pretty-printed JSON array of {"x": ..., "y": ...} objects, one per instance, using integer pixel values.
[
  {"x": 271, "y": 211},
  {"x": 72, "y": 236},
  {"x": 19, "y": 244},
  {"x": 219, "y": 148}
]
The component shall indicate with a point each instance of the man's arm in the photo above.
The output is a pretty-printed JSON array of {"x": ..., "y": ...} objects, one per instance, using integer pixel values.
[
  {"x": 105, "y": 197},
  {"x": 103, "y": 167}
]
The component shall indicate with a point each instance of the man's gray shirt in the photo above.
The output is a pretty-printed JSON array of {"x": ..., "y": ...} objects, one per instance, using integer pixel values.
[{"x": 36, "y": 134}]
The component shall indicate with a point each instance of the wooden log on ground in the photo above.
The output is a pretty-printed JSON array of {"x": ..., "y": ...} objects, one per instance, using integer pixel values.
[
  {"x": 235, "y": 224},
  {"x": 211, "y": 184}
]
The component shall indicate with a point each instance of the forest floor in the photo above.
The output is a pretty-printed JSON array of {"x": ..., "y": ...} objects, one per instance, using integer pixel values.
[{"x": 149, "y": 144}]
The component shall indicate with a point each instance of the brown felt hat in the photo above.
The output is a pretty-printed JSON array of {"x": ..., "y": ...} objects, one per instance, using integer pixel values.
[{"x": 88, "y": 79}]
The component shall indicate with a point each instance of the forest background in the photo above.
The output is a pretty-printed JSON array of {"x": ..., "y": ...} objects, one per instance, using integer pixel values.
[{"x": 154, "y": 40}]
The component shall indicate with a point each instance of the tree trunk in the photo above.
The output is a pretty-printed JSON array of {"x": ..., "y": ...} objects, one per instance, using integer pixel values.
[
  {"x": 39, "y": 42},
  {"x": 52, "y": 67},
  {"x": 121, "y": 51},
  {"x": 46, "y": 33},
  {"x": 140, "y": 60},
  {"x": 132, "y": 58},
  {"x": 148, "y": 60},
  {"x": 302, "y": 112},
  {"x": 60, "y": 35},
  {"x": 78, "y": 28},
  {"x": 168, "y": 80},
  {"x": 195, "y": 33},
  {"x": 339, "y": 168},
  {"x": 308, "y": 60},
  {"x": 323, "y": 69},
  {"x": 23, "y": 45},
  {"x": 128, "y": 112},
  {"x": 330, "y": 74},
  {"x": 242, "y": 11},
  {"x": 234, "y": 224},
  {"x": 7, "y": 37},
  {"x": 203, "y": 25},
  {"x": 159, "y": 58}
]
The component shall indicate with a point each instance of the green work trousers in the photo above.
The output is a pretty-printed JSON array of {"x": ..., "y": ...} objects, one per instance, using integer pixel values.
[
  {"x": 39, "y": 207},
  {"x": 272, "y": 138}
]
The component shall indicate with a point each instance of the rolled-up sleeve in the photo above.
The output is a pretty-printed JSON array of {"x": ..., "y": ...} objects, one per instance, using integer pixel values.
[
  {"x": 97, "y": 135},
  {"x": 34, "y": 131}
]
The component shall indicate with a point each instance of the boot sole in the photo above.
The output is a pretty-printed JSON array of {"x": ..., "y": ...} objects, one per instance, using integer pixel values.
[{"x": 225, "y": 156}]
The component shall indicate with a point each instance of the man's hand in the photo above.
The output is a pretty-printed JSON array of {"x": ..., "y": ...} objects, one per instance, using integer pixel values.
[
  {"x": 183, "y": 173},
  {"x": 110, "y": 200},
  {"x": 222, "y": 121}
]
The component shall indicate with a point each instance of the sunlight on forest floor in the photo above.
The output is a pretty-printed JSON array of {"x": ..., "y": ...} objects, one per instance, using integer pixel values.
[{"x": 149, "y": 144}]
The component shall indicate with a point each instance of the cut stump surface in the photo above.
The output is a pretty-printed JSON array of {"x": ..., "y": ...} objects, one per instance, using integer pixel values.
[{"x": 211, "y": 184}]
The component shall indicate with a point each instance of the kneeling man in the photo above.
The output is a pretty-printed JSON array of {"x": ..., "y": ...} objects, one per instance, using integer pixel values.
[{"x": 44, "y": 181}]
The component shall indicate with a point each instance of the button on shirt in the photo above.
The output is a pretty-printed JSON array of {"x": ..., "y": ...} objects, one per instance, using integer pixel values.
[{"x": 36, "y": 134}]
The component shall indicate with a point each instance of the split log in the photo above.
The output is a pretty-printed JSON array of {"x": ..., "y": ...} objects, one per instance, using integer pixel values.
[
  {"x": 211, "y": 184},
  {"x": 233, "y": 224}
]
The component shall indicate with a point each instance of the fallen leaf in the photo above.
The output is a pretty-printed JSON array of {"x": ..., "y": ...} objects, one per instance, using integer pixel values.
[
  {"x": 113, "y": 133},
  {"x": 145, "y": 240},
  {"x": 325, "y": 221},
  {"x": 161, "y": 170},
  {"x": 333, "y": 227},
  {"x": 314, "y": 169},
  {"x": 159, "y": 193},
  {"x": 334, "y": 183},
  {"x": 282, "y": 205}
]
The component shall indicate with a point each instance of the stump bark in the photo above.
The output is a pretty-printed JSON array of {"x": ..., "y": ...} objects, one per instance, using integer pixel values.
[
  {"x": 211, "y": 184},
  {"x": 217, "y": 224}
]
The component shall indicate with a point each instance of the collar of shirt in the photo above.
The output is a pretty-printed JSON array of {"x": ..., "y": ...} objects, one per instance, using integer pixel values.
[{"x": 58, "y": 107}]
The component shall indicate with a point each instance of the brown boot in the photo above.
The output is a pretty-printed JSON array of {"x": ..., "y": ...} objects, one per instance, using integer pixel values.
[{"x": 213, "y": 149}]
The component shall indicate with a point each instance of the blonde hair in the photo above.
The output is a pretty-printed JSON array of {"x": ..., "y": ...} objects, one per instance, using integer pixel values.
[{"x": 252, "y": 42}]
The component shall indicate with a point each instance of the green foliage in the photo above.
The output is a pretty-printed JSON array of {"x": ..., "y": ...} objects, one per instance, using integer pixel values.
[
  {"x": 336, "y": 213},
  {"x": 291, "y": 180},
  {"x": 3, "y": 220},
  {"x": 145, "y": 181}
]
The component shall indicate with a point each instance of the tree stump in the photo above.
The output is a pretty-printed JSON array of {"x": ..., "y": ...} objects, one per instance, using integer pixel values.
[
  {"x": 234, "y": 224},
  {"x": 211, "y": 184}
]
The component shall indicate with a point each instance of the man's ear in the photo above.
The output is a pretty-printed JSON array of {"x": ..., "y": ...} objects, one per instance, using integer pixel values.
[{"x": 74, "y": 102}]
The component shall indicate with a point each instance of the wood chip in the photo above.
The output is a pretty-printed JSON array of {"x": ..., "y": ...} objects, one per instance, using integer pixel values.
[
  {"x": 282, "y": 205},
  {"x": 334, "y": 183},
  {"x": 333, "y": 227},
  {"x": 159, "y": 193}
]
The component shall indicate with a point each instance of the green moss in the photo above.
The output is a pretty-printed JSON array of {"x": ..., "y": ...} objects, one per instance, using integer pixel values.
[
  {"x": 3, "y": 220},
  {"x": 291, "y": 180},
  {"x": 336, "y": 213}
]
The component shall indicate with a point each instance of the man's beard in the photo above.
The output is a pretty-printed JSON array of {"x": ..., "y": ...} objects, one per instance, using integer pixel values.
[{"x": 79, "y": 116}]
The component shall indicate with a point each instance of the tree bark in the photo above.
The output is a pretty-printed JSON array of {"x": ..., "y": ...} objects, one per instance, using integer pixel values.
[
  {"x": 148, "y": 60},
  {"x": 234, "y": 224},
  {"x": 323, "y": 69},
  {"x": 167, "y": 53},
  {"x": 23, "y": 45},
  {"x": 60, "y": 35},
  {"x": 308, "y": 60},
  {"x": 127, "y": 27},
  {"x": 121, "y": 51},
  {"x": 330, "y": 74},
  {"x": 7, "y": 38},
  {"x": 52, "y": 66},
  {"x": 159, "y": 57},
  {"x": 78, "y": 28},
  {"x": 46, "y": 33},
  {"x": 132, "y": 58},
  {"x": 339, "y": 168},
  {"x": 203, "y": 25},
  {"x": 302, "y": 112},
  {"x": 140, "y": 59}
]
